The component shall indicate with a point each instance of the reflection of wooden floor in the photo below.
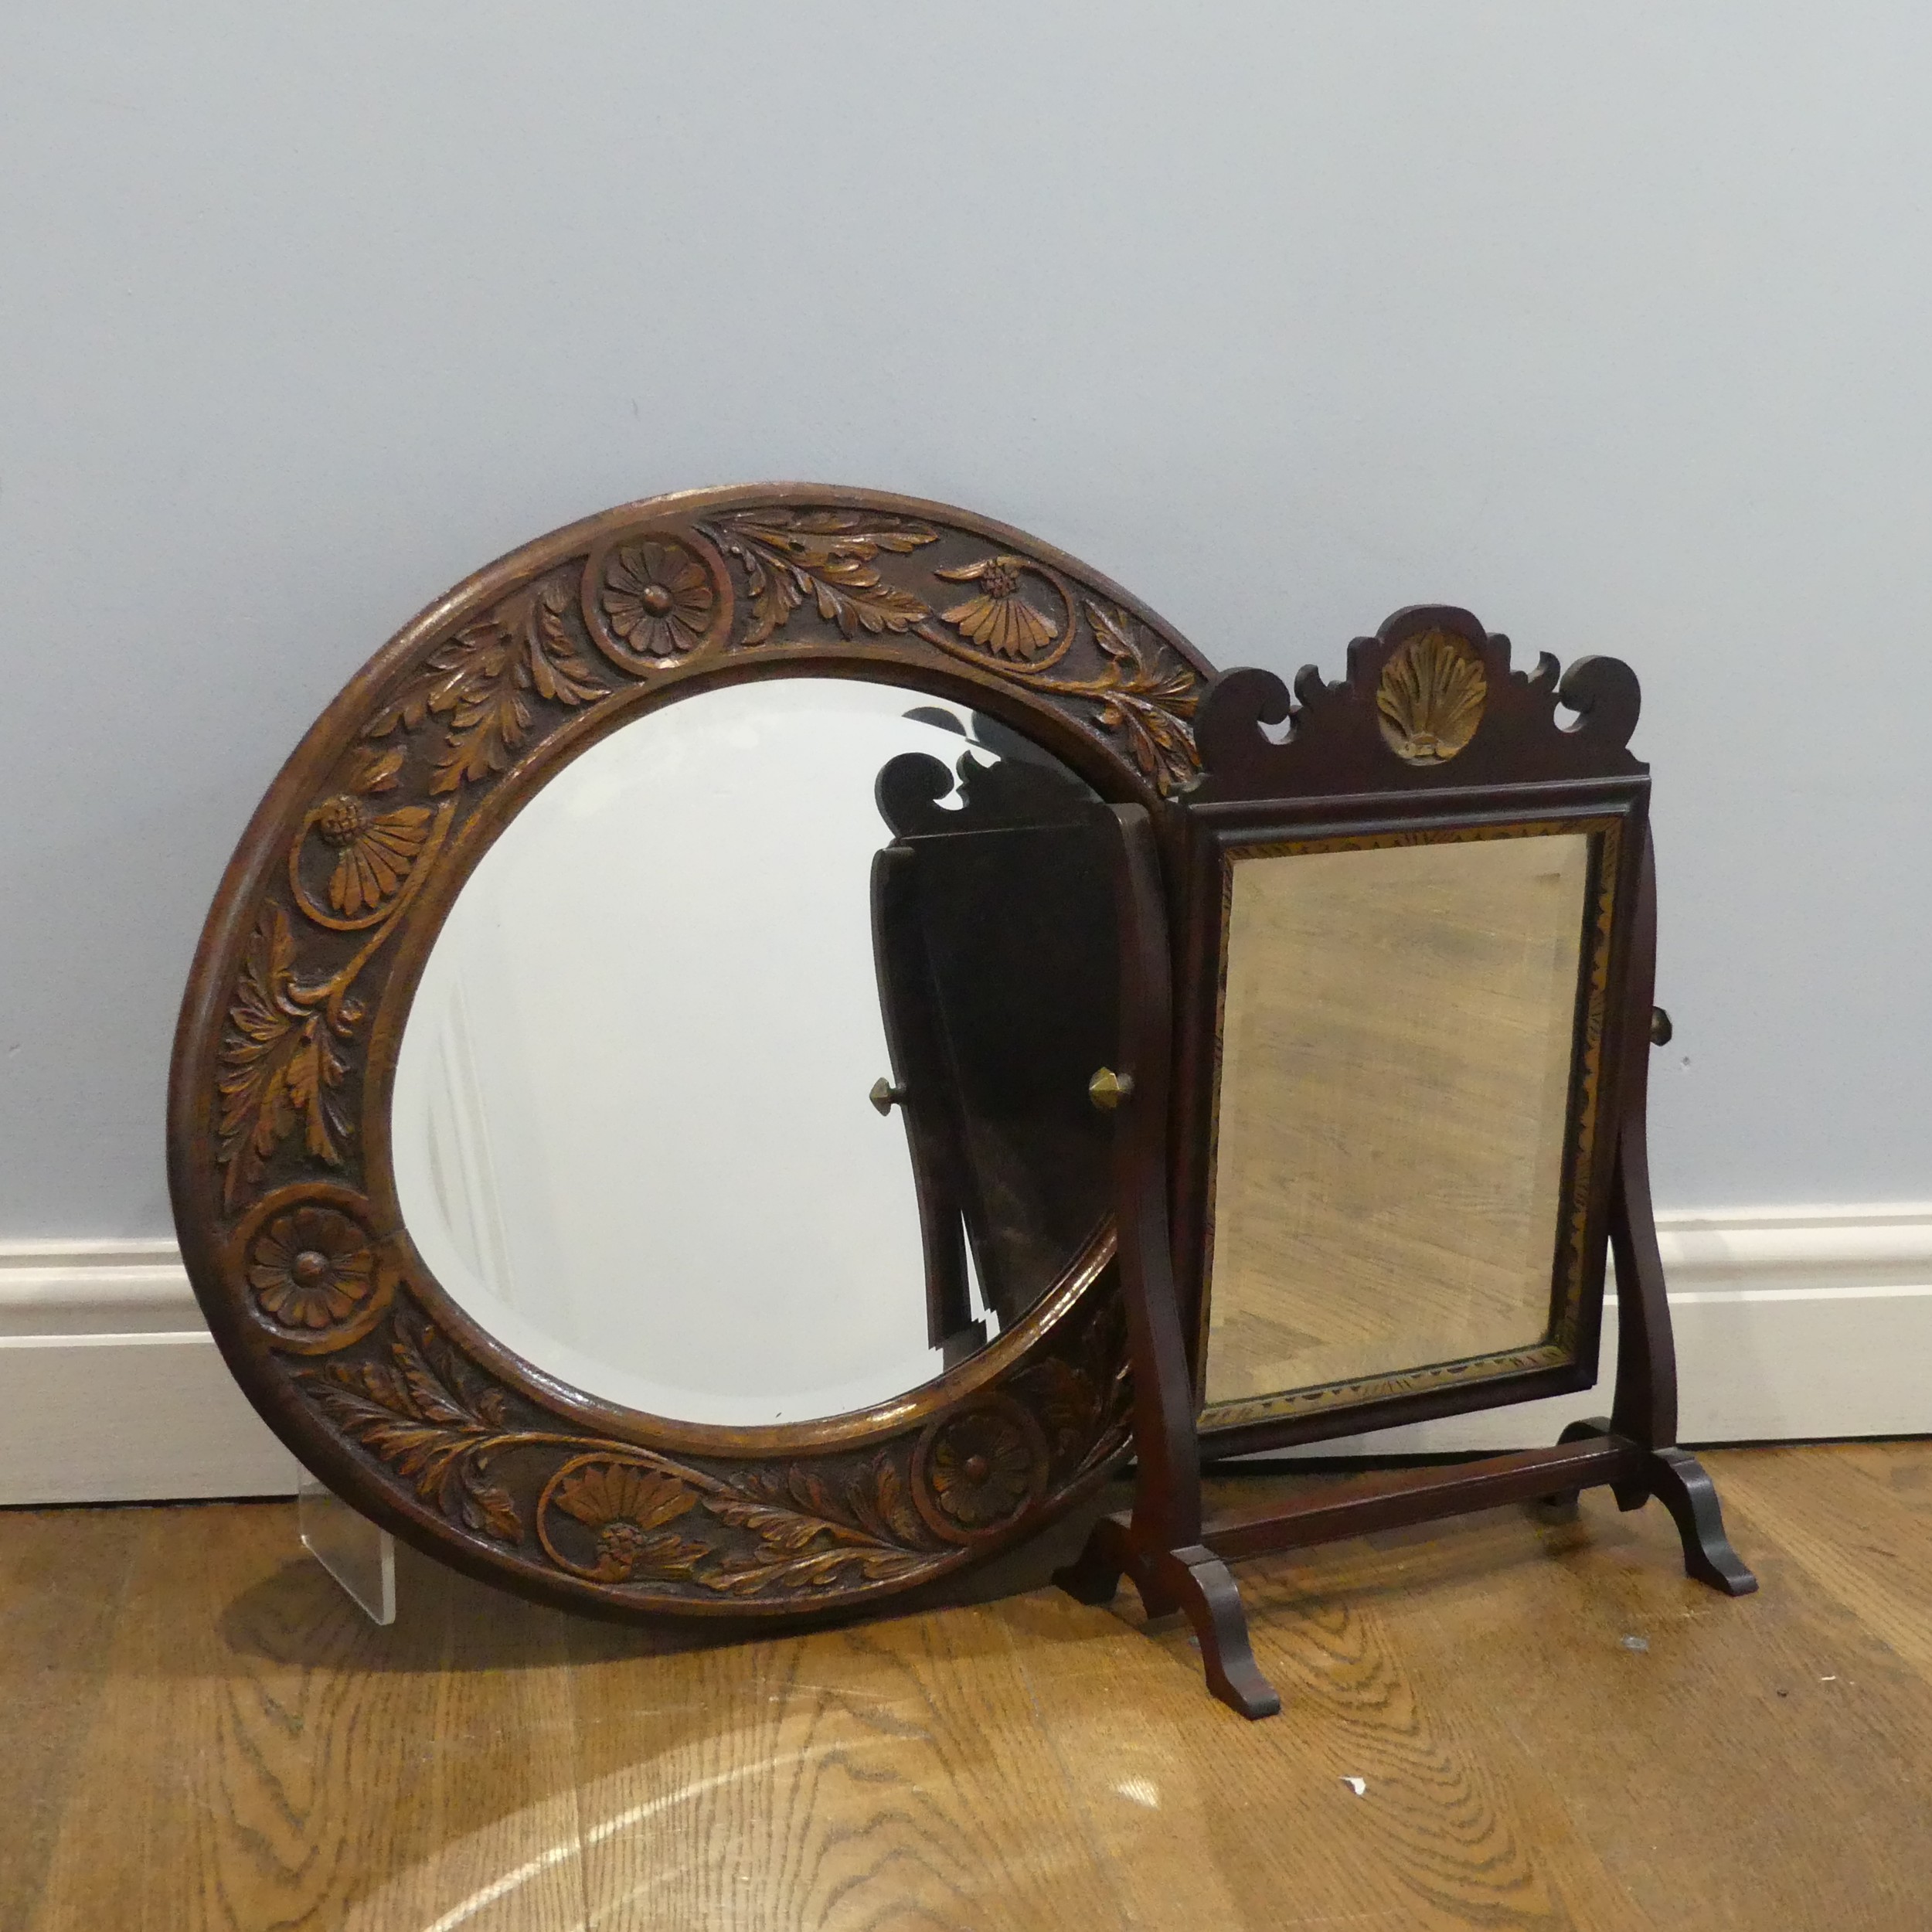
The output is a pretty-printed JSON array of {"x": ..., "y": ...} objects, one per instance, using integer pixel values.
[
  {"x": 1396, "y": 1049},
  {"x": 200, "y": 1733}
]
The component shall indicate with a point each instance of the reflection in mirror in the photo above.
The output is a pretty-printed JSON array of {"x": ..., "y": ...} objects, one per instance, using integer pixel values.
[
  {"x": 637, "y": 1126},
  {"x": 994, "y": 926},
  {"x": 1396, "y": 1041}
]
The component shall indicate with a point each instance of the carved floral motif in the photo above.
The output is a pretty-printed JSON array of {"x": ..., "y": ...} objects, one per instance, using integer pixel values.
[
  {"x": 999, "y": 619},
  {"x": 628, "y": 1508},
  {"x": 374, "y": 850},
  {"x": 658, "y": 597},
  {"x": 981, "y": 1468},
  {"x": 311, "y": 1267}
]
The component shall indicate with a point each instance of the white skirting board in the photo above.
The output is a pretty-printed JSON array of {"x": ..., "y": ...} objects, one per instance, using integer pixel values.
[{"x": 1791, "y": 1323}]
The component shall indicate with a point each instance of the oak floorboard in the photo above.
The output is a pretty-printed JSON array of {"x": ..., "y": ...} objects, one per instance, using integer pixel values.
[
  {"x": 1861, "y": 1536},
  {"x": 1204, "y": 1821},
  {"x": 884, "y": 1775},
  {"x": 1686, "y": 1736},
  {"x": 1462, "y": 1819},
  {"x": 63, "y": 1577},
  {"x": 204, "y": 1735},
  {"x": 266, "y": 1756}
]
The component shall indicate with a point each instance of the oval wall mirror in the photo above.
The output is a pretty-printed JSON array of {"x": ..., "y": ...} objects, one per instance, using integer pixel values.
[{"x": 630, "y": 1124}]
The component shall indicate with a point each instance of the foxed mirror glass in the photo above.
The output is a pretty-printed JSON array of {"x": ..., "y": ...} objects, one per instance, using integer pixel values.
[
  {"x": 1397, "y": 1044},
  {"x": 633, "y": 1125}
]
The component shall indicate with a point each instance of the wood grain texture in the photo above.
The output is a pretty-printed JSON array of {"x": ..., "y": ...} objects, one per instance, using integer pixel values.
[
  {"x": 205, "y": 1736},
  {"x": 1394, "y": 1082}
]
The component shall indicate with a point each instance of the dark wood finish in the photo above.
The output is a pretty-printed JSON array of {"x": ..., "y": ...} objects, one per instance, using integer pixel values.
[
  {"x": 909, "y": 1008},
  {"x": 994, "y": 931},
  {"x": 1335, "y": 777},
  {"x": 279, "y": 1154},
  {"x": 1350, "y": 761},
  {"x": 1162, "y": 1548}
]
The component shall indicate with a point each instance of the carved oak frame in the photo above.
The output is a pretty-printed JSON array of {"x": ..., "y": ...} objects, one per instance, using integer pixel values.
[
  {"x": 1431, "y": 736},
  {"x": 279, "y": 1151}
]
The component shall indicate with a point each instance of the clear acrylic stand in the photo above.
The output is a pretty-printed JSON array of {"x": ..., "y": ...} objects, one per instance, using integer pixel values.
[{"x": 361, "y": 1557}]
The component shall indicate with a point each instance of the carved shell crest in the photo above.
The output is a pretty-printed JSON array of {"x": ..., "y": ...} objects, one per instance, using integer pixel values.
[{"x": 1431, "y": 697}]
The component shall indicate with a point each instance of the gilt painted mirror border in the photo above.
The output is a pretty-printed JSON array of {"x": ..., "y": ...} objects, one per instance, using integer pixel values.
[
  {"x": 279, "y": 1159},
  {"x": 1361, "y": 763}
]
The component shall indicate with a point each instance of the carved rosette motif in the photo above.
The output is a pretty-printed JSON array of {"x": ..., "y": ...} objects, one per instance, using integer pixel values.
[
  {"x": 647, "y": 598},
  {"x": 754, "y": 1532},
  {"x": 979, "y": 1468},
  {"x": 310, "y": 1268}
]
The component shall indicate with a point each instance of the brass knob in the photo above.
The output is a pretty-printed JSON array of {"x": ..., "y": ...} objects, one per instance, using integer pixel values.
[
  {"x": 884, "y": 1095},
  {"x": 1660, "y": 1029},
  {"x": 1107, "y": 1088}
]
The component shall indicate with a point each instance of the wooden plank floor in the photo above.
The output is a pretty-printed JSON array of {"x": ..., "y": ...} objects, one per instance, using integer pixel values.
[{"x": 1555, "y": 1728}]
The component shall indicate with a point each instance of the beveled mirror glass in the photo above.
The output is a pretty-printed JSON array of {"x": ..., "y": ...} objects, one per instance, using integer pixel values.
[
  {"x": 631, "y": 1126},
  {"x": 1397, "y": 1043}
]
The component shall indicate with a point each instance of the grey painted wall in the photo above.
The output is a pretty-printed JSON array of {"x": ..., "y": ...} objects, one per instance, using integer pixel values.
[{"x": 1613, "y": 324}]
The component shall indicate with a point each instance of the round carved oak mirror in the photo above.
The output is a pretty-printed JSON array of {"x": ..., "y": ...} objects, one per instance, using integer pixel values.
[{"x": 628, "y": 1127}]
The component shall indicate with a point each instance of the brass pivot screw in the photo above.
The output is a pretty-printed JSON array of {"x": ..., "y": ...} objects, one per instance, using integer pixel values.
[
  {"x": 884, "y": 1095},
  {"x": 1107, "y": 1088}
]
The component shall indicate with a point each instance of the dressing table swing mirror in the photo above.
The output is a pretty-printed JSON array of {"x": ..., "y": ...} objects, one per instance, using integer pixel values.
[
  {"x": 1413, "y": 1013},
  {"x": 672, "y": 1109},
  {"x": 629, "y": 1128}
]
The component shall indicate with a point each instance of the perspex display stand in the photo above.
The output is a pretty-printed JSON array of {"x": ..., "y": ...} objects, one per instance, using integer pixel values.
[{"x": 361, "y": 1557}]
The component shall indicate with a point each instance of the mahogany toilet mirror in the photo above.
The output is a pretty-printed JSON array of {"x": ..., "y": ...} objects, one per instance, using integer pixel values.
[
  {"x": 1412, "y": 1021},
  {"x": 629, "y": 1124}
]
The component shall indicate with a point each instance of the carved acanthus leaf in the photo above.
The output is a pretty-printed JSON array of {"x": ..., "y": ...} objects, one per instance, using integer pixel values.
[
  {"x": 1148, "y": 704},
  {"x": 480, "y": 681},
  {"x": 827, "y": 556},
  {"x": 810, "y": 1541},
  {"x": 279, "y": 1065},
  {"x": 422, "y": 1417}
]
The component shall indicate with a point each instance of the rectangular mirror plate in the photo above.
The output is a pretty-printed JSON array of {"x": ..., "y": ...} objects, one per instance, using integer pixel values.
[{"x": 1399, "y": 1020}]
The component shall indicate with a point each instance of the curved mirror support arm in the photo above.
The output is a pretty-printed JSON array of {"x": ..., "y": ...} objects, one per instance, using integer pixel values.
[
  {"x": 997, "y": 951},
  {"x": 918, "y": 1090},
  {"x": 1160, "y": 1546}
]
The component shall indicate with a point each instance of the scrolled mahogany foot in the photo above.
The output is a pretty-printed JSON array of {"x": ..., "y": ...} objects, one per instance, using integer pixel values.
[
  {"x": 1093, "y": 1576},
  {"x": 1678, "y": 1481},
  {"x": 1199, "y": 1581}
]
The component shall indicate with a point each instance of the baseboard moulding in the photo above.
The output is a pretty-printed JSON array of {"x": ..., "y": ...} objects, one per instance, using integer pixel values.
[{"x": 1792, "y": 1324}]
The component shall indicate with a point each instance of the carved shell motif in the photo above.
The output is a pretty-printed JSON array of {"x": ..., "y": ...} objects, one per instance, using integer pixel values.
[{"x": 1431, "y": 697}]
